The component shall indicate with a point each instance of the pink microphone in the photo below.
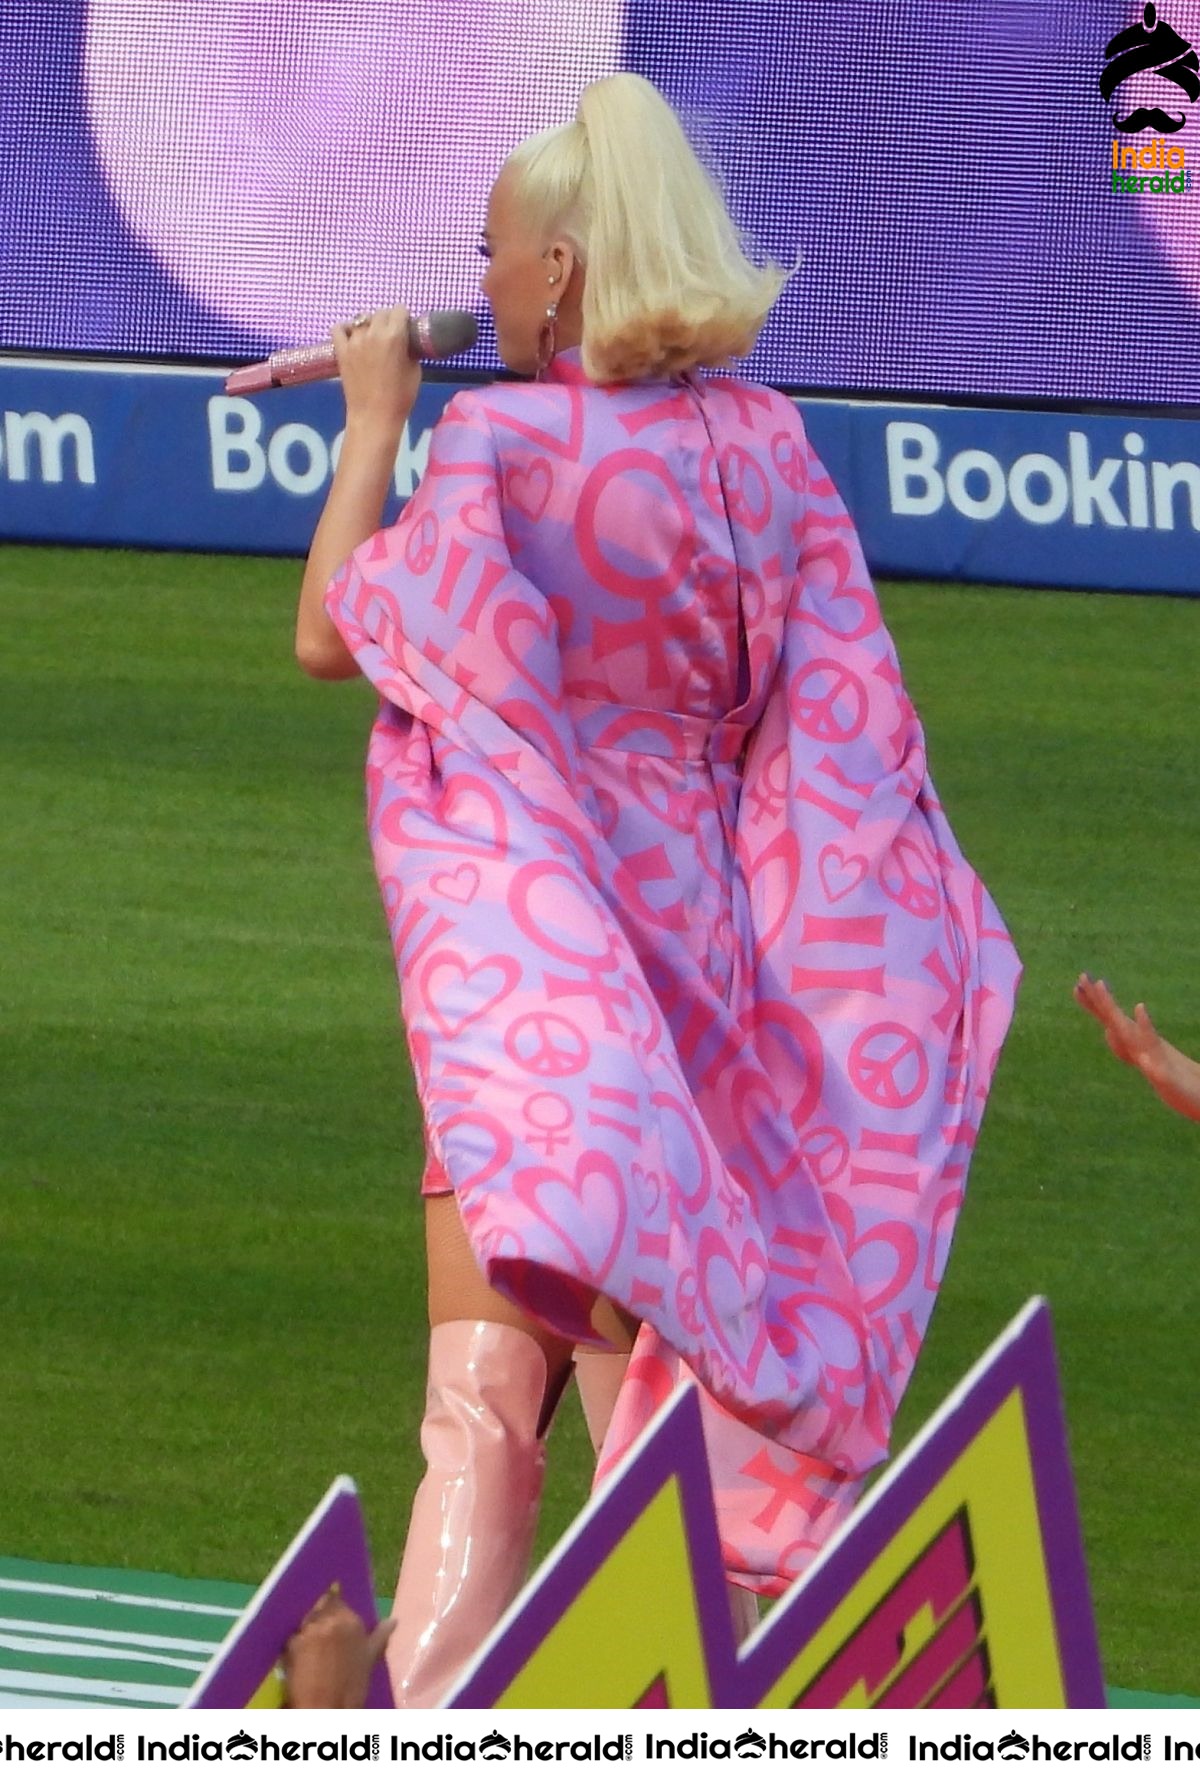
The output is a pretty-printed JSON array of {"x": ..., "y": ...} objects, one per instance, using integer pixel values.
[{"x": 435, "y": 336}]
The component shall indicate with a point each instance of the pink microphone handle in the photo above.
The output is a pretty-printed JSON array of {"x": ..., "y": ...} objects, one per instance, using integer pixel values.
[
  {"x": 303, "y": 365},
  {"x": 293, "y": 365},
  {"x": 249, "y": 379}
]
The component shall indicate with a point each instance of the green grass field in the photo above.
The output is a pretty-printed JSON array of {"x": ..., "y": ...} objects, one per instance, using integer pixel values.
[{"x": 210, "y": 1251}]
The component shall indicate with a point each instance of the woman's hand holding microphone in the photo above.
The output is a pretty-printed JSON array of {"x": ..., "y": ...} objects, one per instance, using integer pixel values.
[{"x": 380, "y": 378}]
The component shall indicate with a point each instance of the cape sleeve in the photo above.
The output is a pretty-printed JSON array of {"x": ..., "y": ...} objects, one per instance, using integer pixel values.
[{"x": 438, "y": 618}]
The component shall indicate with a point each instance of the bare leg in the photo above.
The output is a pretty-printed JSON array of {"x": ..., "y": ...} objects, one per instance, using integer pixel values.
[
  {"x": 599, "y": 1372},
  {"x": 459, "y": 1290},
  {"x": 615, "y": 1325}
]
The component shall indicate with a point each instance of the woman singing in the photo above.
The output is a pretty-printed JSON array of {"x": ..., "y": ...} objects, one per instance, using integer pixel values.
[{"x": 703, "y": 1000}]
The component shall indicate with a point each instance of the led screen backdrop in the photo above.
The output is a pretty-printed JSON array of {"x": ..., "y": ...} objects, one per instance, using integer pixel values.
[{"x": 219, "y": 178}]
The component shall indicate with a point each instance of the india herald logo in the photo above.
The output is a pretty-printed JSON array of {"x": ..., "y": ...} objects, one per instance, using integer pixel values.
[{"x": 1152, "y": 48}]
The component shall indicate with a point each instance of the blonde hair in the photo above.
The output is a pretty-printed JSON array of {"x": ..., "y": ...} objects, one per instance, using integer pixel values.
[{"x": 668, "y": 284}]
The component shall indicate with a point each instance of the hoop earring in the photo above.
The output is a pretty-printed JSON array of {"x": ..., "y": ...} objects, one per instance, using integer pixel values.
[{"x": 546, "y": 339}]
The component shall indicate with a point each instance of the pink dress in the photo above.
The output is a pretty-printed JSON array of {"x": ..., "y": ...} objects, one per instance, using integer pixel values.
[{"x": 702, "y": 998}]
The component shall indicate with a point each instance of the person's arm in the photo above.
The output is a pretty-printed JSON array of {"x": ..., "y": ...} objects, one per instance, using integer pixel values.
[
  {"x": 380, "y": 382},
  {"x": 1174, "y": 1077}
]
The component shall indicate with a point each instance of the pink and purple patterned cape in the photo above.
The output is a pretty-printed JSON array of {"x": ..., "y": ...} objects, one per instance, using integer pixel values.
[{"x": 702, "y": 998}]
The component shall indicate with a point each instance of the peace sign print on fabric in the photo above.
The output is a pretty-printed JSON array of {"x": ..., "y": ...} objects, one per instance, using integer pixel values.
[
  {"x": 421, "y": 545},
  {"x": 790, "y": 458},
  {"x": 888, "y": 1065},
  {"x": 548, "y": 1045},
  {"x": 735, "y": 483},
  {"x": 826, "y": 1150},
  {"x": 829, "y": 702},
  {"x": 910, "y": 879}
]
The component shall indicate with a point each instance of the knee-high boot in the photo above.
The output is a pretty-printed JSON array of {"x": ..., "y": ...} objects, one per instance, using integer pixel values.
[{"x": 475, "y": 1512}]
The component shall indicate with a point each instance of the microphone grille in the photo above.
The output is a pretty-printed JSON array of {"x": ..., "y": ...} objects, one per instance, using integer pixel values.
[{"x": 449, "y": 331}]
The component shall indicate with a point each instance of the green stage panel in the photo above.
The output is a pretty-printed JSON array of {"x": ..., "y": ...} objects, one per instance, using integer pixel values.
[{"x": 76, "y": 1637}]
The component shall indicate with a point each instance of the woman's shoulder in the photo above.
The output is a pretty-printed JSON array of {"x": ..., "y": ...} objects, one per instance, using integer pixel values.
[
  {"x": 515, "y": 420},
  {"x": 515, "y": 404},
  {"x": 577, "y": 419},
  {"x": 751, "y": 398}
]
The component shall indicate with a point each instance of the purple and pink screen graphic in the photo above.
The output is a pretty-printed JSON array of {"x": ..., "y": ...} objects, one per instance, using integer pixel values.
[
  {"x": 300, "y": 162},
  {"x": 228, "y": 178}
]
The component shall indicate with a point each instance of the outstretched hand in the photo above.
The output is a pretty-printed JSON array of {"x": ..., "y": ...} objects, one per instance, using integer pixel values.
[
  {"x": 1134, "y": 1041},
  {"x": 328, "y": 1664},
  {"x": 1174, "y": 1077}
]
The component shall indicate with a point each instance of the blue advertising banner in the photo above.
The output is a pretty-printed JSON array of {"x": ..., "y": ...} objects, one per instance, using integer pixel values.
[{"x": 160, "y": 457}]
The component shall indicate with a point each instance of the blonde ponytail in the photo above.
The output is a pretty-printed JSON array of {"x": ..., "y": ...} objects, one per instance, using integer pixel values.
[{"x": 668, "y": 286}]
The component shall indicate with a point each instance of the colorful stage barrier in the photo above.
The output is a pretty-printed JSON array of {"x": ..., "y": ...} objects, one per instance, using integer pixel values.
[{"x": 959, "y": 1582}]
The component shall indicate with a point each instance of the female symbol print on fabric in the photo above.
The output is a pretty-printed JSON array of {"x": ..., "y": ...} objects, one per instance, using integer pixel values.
[
  {"x": 551, "y": 1118},
  {"x": 659, "y": 994}
]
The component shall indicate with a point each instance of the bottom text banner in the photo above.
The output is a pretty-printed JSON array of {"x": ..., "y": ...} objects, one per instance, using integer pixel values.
[{"x": 471, "y": 1742}]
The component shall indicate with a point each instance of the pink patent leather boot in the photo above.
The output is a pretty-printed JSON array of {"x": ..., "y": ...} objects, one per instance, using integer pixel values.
[{"x": 474, "y": 1516}]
